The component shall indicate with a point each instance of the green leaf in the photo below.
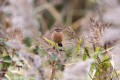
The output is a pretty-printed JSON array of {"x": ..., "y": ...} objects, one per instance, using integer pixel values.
[
  {"x": 59, "y": 66},
  {"x": 84, "y": 56},
  {"x": 92, "y": 65},
  {"x": 107, "y": 65},
  {"x": 69, "y": 51},
  {"x": 3, "y": 39},
  {"x": 6, "y": 61},
  {"x": 98, "y": 48},
  {"x": 106, "y": 61},
  {"x": 28, "y": 42},
  {"x": 78, "y": 46},
  {"x": 42, "y": 51},
  {"x": 79, "y": 42},
  {"x": 106, "y": 58},
  {"x": 7, "y": 58},
  {"x": 53, "y": 57},
  {"x": 4, "y": 53},
  {"x": 95, "y": 56},
  {"x": 36, "y": 49},
  {"x": 49, "y": 61},
  {"x": 51, "y": 42},
  {"x": 6, "y": 64}
]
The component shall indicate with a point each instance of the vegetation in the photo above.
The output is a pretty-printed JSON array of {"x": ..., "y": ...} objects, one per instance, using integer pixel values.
[{"x": 28, "y": 52}]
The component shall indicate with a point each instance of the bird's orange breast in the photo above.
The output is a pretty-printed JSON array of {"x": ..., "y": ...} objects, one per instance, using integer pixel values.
[{"x": 57, "y": 37}]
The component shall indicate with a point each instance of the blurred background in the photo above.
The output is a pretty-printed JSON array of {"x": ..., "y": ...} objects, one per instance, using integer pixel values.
[
  {"x": 43, "y": 14},
  {"x": 26, "y": 27}
]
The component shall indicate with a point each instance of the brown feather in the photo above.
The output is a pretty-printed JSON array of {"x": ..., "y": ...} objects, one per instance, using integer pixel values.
[{"x": 57, "y": 37}]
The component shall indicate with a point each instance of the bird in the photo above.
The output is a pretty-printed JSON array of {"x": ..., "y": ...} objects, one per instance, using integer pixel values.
[{"x": 57, "y": 36}]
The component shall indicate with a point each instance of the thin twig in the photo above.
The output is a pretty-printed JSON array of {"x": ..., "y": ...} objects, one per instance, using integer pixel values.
[{"x": 53, "y": 71}]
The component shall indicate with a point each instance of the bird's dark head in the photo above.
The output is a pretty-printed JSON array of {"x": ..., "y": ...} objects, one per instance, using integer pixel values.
[{"x": 58, "y": 29}]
